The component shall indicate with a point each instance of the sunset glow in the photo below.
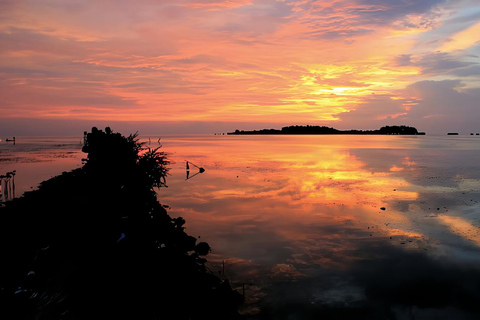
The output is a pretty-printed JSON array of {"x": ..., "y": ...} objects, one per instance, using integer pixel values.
[
  {"x": 347, "y": 64},
  {"x": 325, "y": 201}
]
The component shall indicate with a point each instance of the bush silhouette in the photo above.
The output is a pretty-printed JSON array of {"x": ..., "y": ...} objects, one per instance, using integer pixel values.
[{"x": 95, "y": 243}]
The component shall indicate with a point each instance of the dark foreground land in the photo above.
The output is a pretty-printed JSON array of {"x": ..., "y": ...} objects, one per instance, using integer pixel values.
[
  {"x": 395, "y": 130},
  {"x": 95, "y": 243}
]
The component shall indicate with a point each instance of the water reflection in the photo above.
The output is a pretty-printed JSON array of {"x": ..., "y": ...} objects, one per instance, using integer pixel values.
[
  {"x": 36, "y": 159},
  {"x": 299, "y": 220}
]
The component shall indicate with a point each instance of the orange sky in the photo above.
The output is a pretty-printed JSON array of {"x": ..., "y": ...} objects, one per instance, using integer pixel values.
[{"x": 348, "y": 64}]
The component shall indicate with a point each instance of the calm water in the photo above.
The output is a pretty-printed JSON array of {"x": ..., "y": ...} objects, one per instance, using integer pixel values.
[{"x": 390, "y": 223}]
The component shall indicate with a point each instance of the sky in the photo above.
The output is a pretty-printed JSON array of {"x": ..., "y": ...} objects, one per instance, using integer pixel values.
[{"x": 205, "y": 66}]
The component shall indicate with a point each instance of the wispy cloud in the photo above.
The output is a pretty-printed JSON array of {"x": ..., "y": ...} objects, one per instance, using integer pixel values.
[{"x": 241, "y": 60}]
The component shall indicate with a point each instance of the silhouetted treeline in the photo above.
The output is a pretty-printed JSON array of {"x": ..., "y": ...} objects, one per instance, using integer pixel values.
[
  {"x": 95, "y": 243},
  {"x": 404, "y": 130}
]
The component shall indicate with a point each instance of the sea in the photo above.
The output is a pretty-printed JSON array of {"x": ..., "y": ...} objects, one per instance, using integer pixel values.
[{"x": 305, "y": 224}]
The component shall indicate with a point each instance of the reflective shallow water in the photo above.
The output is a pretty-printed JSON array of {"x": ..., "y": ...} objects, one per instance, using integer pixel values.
[
  {"x": 310, "y": 226},
  {"x": 388, "y": 223},
  {"x": 36, "y": 159}
]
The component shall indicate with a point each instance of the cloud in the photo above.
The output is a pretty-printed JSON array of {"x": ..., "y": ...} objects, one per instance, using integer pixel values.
[
  {"x": 261, "y": 61},
  {"x": 393, "y": 9},
  {"x": 374, "y": 112},
  {"x": 464, "y": 39},
  {"x": 469, "y": 71},
  {"x": 382, "y": 279},
  {"x": 433, "y": 106},
  {"x": 216, "y": 4},
  {"x": 434, "y": 62},
  {"x": 381, "y": 13}
]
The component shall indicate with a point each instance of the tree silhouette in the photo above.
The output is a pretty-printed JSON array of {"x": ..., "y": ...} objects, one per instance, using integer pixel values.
[{"x": 95, "y": 243}]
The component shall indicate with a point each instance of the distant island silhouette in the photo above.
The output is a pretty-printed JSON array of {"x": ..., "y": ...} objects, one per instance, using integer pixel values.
[
  {"x": 388, "y": 130},
  {"x": 95, "y": 243}
]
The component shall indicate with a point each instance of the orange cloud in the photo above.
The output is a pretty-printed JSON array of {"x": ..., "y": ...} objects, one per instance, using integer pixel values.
[
  {"x": 240, "y": 60},
  {"x": 463, "y": 40},
  {"x": 217, "y": 5}
]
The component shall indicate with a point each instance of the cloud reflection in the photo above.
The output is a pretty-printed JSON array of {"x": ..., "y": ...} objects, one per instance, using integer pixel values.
[{"x": 300, "y": 220}]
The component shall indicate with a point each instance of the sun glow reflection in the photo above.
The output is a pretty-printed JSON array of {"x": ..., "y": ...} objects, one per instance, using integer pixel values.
[
  {"x": 269, "y": 182},
  {"x": 288, "y": 207}
]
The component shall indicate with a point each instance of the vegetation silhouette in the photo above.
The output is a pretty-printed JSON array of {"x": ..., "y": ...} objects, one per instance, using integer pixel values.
[
  {"x": 94, "y": 243},
  {"x": 7, "y": 186},
  {"x": 389, "y": 130}
]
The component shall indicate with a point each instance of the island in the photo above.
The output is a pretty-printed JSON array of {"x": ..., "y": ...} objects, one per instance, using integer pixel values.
[{"x": 389, "y": 130}]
